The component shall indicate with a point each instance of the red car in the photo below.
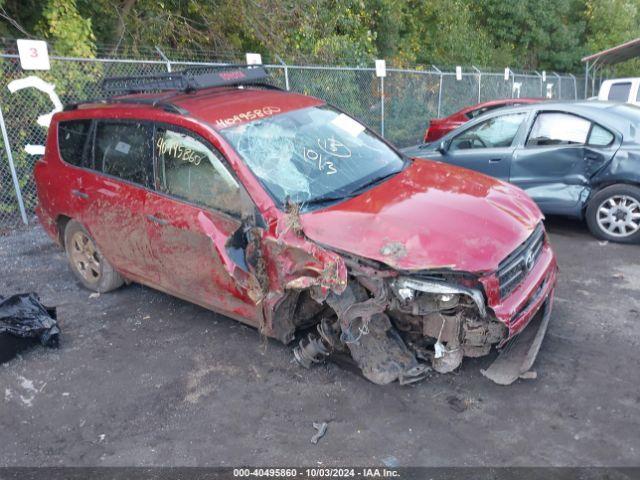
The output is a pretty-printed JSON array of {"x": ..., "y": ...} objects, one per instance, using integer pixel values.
[
  {"x": 280, "y": 211},
  {"x": 438, "y": 127}
]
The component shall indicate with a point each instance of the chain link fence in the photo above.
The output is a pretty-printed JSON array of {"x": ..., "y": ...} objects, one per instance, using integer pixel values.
[{"x": 398, "y": 106}]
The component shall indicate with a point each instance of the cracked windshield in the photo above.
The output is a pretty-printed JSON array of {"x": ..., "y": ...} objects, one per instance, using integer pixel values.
[{"x": 313, "y": 156}]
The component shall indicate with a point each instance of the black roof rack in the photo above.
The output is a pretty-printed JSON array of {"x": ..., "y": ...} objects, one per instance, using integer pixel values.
[{"x": 187, "y": 80}]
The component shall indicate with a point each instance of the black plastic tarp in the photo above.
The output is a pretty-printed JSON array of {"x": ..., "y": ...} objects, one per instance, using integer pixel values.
[{"x": 24, "y": 321}]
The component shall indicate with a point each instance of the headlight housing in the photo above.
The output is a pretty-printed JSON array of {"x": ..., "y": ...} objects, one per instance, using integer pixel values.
[{"x": 448, "y": 294}]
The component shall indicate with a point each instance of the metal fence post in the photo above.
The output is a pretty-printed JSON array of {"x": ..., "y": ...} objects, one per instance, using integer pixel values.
[
  {"x": 586, "y": 80},
  {"x": 540, "y": 77},
  {"x": 286, "y": 71},
  {"x": 559, "y": 85},
  {"x": 575, "y": 86},
  {"x": 542, "y": 86},
  {"x": 14, "y": 175},
  {"x": 382, "y": 107},
  {"x": 479, "y": 81},
  {"x": 513, "y": 81},
  {"x": 164, "y": 57},
  {"x": 439, "y": 88}
]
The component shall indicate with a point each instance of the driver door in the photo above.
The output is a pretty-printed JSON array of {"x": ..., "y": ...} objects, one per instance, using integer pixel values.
[
  {"x": 194, "y": 224},
  {"x": 488, "y": 146}
]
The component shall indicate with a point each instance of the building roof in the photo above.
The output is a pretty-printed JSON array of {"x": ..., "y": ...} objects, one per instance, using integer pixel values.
[{"x": 617, "y": 54}]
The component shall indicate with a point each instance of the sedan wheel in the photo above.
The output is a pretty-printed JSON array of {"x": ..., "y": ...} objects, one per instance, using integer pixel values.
[
  {"x": 619, "y": 215},
  {"x": 614, "y": 214}
]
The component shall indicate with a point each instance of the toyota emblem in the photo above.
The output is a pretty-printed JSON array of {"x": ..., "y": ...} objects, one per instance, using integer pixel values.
[{"x": 529, "y": 260}]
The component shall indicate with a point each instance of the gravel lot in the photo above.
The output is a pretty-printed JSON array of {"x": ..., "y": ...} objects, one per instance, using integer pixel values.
[{"x": 142, "y": 378}]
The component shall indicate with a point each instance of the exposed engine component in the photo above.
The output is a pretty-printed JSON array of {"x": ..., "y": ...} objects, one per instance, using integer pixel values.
[
  {"x": 310, "y": 350},
  {"x": 377, "y": 347},
  {"x": 399, "y": 328},
  {"x": 316, "y": 347},
  {"x": 447, "y": 358}
]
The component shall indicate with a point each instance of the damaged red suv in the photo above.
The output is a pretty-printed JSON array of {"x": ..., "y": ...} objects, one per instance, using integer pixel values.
[{"x": 284, "y": 213}]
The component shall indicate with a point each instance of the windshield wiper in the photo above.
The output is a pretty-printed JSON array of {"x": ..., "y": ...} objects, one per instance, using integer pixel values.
[
  {"x": 326, "y": 200},
  {"x": 336, "y": 197},
  {"x": 373, "y": 183}
]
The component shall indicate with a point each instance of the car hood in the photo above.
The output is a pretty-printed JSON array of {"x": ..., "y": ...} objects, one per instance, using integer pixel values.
[{"x": 429, "y": 216}]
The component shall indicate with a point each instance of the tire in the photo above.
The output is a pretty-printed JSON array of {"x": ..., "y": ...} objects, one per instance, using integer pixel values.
[
  {"x": 614, "y": 214},
  {"x": 86, "y": 262}
]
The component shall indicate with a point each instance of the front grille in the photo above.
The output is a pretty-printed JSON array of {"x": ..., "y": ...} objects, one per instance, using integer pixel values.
[{"x": 513, "y": 269}]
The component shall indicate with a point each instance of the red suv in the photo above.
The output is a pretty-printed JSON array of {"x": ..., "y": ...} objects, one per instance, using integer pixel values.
[{"x": 284, "y": 213}]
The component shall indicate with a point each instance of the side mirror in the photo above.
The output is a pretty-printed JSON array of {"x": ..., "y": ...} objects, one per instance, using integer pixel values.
[{"x": 443, "y": 146}]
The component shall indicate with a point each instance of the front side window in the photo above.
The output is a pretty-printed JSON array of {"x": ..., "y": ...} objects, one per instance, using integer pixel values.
[
  {"x": 619, "y": 92},
  {"x": 558, "y": 129},
  {"x": 189, "y": 169},
  {"x": 73, "y": 142},
  {"x": 312, "y": 155},
  {"x": 123, "y": 149},
  {"x": 495, "y": 132}
]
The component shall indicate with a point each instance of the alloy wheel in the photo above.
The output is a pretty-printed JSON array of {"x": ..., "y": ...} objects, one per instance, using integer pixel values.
[
  {"x": 84, "y": 257},
  {"x": 619, "y": 216}
]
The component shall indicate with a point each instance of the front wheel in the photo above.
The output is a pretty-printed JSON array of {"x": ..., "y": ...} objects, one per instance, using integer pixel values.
[
  {"x": 614, "y": 214},
  {"x": 86, "y": 261}
]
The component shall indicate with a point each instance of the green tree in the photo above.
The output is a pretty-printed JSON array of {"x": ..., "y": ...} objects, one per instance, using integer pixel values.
[
  {"x": 534, "y": 34},
  {"x": 610, "y": 23},
  {"x": 528, "y": 34}
]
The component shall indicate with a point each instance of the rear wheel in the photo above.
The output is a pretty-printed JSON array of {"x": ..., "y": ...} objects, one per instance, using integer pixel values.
[
  {"x": 614, "y": 214},
  {"x": 86, "y": 261}
]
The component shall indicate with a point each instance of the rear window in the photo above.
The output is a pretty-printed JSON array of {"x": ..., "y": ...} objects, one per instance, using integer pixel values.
[
  {"x": 72, "y": 139},
  {"x": 619, "y": 92}
]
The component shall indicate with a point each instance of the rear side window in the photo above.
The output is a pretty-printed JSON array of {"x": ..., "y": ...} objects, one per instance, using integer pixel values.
[
  {"x": 73, "y": 142},
  {"x": 600, "y": 137},
  {"x": 619, "y": 92},
  {"x": 124, "y": 150},
  {"x": 559, "y": 129}
]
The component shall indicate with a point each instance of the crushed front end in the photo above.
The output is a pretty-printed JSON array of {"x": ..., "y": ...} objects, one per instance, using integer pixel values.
[{"x": 398, "y": 325}]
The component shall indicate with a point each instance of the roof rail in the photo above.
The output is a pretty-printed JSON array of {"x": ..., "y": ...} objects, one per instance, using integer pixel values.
[
  {"x": 187, "y": 80},
  {"x": 159, "y": 103}
]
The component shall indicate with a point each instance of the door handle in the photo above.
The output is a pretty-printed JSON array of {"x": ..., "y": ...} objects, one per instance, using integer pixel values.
[
  {"x": 159, "y": 221},
  {"x": 495, "y": 160},
  {"x": 79, "y": 194}
]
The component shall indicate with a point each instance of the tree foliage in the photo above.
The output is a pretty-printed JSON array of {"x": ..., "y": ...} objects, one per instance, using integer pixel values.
[{"x": 531, "y": 34}]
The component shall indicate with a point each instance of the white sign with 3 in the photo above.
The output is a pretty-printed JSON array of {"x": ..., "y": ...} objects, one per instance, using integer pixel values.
[{"x": 34, "y": 55}]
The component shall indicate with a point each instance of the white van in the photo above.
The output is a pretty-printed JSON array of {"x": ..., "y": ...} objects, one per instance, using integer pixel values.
[{"x": 621, "y": 90}]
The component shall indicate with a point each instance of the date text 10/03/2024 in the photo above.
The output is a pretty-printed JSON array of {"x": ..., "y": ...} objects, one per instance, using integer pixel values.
[{"x": 372, "y": 472}]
